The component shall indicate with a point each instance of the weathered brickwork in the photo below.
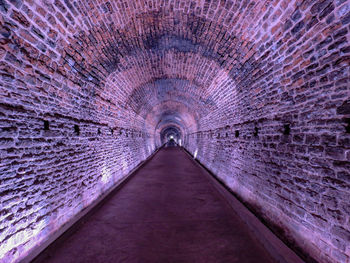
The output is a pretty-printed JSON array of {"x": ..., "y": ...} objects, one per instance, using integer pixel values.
[
  {"x": 281, "y": 140},
  {"x": 62, "y": 142},
  {"x": 49, "y": 174},
  {"x": 258, "y": 91}
]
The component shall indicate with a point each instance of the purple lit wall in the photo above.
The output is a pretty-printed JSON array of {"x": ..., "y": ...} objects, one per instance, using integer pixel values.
[{"x": 258, "y": 91}]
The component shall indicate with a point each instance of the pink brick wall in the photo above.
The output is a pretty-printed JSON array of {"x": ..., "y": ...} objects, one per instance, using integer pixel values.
[{"x": 232, "y": 76}]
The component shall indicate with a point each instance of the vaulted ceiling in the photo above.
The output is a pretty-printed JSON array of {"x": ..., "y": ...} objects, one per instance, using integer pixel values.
[{"x": 172, "y": 63}]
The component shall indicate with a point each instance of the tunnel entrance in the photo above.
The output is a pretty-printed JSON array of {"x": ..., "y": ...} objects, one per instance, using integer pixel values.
[{"x": 170, "y": 136}]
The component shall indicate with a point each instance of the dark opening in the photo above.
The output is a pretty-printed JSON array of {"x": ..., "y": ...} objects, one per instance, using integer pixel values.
[
  {"x": 286, "y": 129},
  {"x": 76, "y": 129},
  {"x": 236, "y": 134},
  {"x": 112, "y": 131},
  {"x": 46, "y": 125},
  {"x": 256, "y": 131},
  {"x": 171, "y": 143},
  {"x": 347, "y": 127},
  {"x": 99, "y": 131}
]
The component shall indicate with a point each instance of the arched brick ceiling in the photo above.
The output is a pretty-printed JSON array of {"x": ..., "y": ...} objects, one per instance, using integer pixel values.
[
  {"x": 221, "y": 46},
  {"x": 171, "y": 113},
  {"x": 143, "y": 98},
  {"x": 171, "y": 131},
  {"x": 156, "y": 52},
  {"x": 230, "y": 75}
]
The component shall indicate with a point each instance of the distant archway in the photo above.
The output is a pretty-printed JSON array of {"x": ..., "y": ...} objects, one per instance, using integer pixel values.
[{"x": 171, "y": 136}]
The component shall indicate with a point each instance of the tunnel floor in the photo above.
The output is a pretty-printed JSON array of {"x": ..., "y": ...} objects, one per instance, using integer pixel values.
[{"x": 169, "y": 211}]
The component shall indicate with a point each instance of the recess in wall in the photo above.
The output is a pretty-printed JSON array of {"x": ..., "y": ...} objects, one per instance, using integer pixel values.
[
  {"x": 286, "y": 129},
  {"x": 112, "y": 131},
  {"x": 46, "y": 125},
  {"x": 256, "y": 131},
  {"x": 237, "y": 134},
  {"x": 347, "y": 127},
  {"x": 76, "y": 129},
  {"x": 98, "y": 131}
]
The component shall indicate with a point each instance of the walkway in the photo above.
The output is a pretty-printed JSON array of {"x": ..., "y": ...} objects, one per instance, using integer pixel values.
[{"x": 168, "y": 212}]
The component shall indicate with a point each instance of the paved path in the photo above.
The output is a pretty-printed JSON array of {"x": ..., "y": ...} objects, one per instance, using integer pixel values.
[{"x": 168, "y": 212}]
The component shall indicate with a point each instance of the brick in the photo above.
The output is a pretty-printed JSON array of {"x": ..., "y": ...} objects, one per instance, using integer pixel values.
[
  {"x": 298, "y": 27},
  {"x": 341, "y": 233},
  {"x": 326, "y": 11},
  {"x": 20, "y": 18},
  {"x": 16, "y": 3},
  {"x": 346, "y": 19},
  {"x": 214, "y": 71},
  {"x": 25, "y": 34}
]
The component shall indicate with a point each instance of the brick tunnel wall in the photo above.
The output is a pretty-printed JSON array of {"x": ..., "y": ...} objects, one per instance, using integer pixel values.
[
  {"x": 260, "y": 91},
  {"x": 62, "y": 142},
  {"x": 282, "y": 141}
]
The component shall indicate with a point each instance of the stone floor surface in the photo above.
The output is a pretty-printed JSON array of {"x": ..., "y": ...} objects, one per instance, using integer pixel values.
[{"x": 168, "y": 212}]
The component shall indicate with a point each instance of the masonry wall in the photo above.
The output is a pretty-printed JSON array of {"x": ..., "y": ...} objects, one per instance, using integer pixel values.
[
  {"x": 49, "y": 176},
  {"x": 259, "y": 90},
  {"x": 285, "y": 149},
  {"x": 62, "y": 144}
]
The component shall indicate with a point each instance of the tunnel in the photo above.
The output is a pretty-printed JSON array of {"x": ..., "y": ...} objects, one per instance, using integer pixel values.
[
  {"x": 230, "y": 117},
  {"x": 170, "y": 134}
]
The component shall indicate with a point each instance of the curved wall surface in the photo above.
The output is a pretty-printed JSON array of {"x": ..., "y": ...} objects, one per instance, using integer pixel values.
[{"x": 258, "y": 89}]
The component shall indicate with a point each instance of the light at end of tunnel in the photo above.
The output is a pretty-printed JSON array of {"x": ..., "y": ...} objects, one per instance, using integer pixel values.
[
  {"x": 180, "y": 143},
  {"x": 171, "y": 137}
]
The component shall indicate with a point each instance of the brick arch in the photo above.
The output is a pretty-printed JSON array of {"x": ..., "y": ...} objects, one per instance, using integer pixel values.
[
  {"x": 172, "y": 129},
  {"x": 142, "y": 98},
  {"x": 172, "y": 109},
  {"x": 161, "y": 45},
  {"x": 262, "y": 65},
  {"x": 111, "y": 47}
]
